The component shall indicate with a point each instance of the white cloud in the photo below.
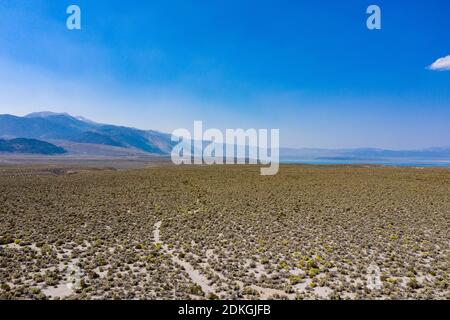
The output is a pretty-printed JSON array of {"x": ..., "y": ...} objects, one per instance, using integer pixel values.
[{"x": 441, "y": 64}]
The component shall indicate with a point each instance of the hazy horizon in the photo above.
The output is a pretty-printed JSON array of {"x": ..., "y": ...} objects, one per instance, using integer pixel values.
[{"x": 81, "y": 117}]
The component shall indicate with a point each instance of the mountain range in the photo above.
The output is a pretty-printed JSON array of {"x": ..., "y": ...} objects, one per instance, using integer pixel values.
[
  {"x": 58, "y": 133},
  {"x": 79, "y": 135}
]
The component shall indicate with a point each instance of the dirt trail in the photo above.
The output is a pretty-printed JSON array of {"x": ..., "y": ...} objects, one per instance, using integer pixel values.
[
  {"x": 194, "y": 274},
  {"x": 202, "y": 281}
]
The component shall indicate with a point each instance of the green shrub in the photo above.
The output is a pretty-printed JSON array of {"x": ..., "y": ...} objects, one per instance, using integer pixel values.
[
  {"x": 283, "y": 265},
  {"x": 249, "y": 291},
  {"x": 196, "y": 289},
  {"x": 392, "y": 280},
  {"x": 212, "y": 296},
  {"x": 6, "y": 240},
  {"x": 139, "y": 246},
  {"x": 313, "y": 272},
  {"x": 295, "y": 279},
  {"x": 413, "y": 283},
  {"x": 5, "y": 287},
  {"x": 38, "y": 278},
  {"x": 311, "y": 264}
]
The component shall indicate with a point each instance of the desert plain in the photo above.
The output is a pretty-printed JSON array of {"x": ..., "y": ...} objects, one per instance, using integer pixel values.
[{"x": 224, "y": 232}]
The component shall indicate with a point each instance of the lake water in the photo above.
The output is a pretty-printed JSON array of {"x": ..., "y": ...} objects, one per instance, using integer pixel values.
[{"x": 394, "y": 163}]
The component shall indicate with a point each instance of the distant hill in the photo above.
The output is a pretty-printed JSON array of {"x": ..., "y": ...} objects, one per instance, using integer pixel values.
[
  {"x": 60, "y": 128},
  {"x": 31, "y": 146}
]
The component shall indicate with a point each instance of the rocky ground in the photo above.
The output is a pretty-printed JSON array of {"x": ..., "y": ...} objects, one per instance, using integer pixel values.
[{"x": 225, "y": 232}]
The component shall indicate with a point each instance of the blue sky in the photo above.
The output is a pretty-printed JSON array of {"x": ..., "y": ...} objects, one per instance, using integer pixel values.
[{"x": 310, "y": 68}]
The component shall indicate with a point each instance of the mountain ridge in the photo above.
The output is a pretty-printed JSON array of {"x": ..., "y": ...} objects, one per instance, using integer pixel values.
[
  {"x": 30, "y": 146},
  {"x": 50, "y": 126},
  {"x": 79, "y": 135}
]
